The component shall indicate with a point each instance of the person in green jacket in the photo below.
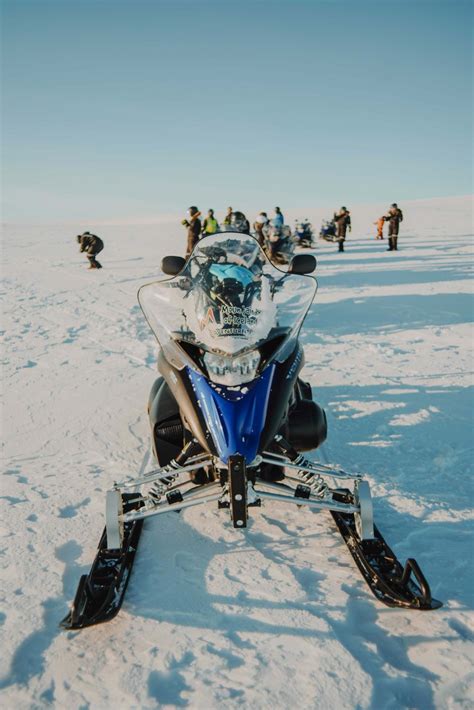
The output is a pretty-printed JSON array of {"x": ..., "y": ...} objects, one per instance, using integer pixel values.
[{"x": 210, "y": 224}]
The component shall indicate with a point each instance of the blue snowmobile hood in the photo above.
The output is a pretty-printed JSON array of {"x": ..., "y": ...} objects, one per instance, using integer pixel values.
[{"x": 235, "y": 416}]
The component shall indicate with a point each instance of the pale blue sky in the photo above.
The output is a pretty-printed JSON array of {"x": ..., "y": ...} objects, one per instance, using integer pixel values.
[{"x": 135, "y": 108}]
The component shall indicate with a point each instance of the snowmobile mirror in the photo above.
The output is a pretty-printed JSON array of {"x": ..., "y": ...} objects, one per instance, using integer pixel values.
[
  {"x": 302, "y": 264},
  {"x": 172, "y": 265}
]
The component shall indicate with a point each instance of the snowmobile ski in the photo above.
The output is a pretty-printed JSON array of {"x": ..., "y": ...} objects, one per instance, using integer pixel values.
[
  {"x": 100, "y": 593},
  {"x": 390, "y": 582}
]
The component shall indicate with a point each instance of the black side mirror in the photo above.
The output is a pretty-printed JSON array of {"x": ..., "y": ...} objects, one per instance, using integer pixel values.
[
  {"x": 172, "y": 265},
  {"x": 302, "y": 264}
]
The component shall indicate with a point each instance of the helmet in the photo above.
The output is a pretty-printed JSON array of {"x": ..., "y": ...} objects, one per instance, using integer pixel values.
[
  {"x": 343, "y": 208},
  {"x": 238, "y": 222},
  {"x": 394, "y": 204},
  {"x": 192, "y": 210}
]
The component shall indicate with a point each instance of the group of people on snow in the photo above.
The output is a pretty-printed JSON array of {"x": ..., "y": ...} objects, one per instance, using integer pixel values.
[
  {"x": 394, "y": 216},
  {"x": 270, "y": 232},
  {"x": 234, "y": 220},
  {"x": 336, "y": 229}
]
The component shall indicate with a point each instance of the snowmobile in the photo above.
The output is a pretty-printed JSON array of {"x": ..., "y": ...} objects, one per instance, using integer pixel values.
[
  {"x": 303, "y": 235},
  {"x": 232, "y": 421},
  {"x": 328, "y": 230},
  {"x": 279, "y": 243}
]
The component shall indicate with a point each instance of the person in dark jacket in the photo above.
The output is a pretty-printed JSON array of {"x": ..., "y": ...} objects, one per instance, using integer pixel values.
[
  {"x": 228, "y": 217},
  {"x": 394, "y": 216},
  {"x": 342, "y": 220},
  {"x": 92, "y": 245},
  {"x": 258, "y": 226},
  {"x": 193, "y": 225}
]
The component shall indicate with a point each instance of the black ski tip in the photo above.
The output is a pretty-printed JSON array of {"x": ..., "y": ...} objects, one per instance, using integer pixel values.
[{"x": 393, "y": 585}]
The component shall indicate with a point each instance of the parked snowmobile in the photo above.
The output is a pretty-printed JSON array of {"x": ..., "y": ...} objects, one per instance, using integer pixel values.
[
  {"x": 328, "y": 230},
  {"x": 279, "y": 243},
  {"x": 231, "y": 420},
  {"x": 304, "y": 235}
]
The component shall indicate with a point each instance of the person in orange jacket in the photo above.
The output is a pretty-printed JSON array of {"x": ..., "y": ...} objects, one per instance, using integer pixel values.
[{"x": 380, "y": 224}]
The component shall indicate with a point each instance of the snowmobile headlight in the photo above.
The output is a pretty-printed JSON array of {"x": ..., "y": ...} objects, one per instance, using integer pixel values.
[{"x": 231, "y": 371}]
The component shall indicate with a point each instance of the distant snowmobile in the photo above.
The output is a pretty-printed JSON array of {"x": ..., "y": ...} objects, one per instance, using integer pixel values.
[
  {"x": 231, "y": 420},
  {"x": 304, "y": 235},
  {"x": 328, "y": 230}
]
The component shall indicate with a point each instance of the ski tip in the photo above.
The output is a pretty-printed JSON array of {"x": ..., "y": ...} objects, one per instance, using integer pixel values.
[{"x": 66, "y": 623}]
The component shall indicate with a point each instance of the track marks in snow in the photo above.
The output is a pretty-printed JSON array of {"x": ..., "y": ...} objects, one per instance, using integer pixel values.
[{"x": 73, "y": 334}]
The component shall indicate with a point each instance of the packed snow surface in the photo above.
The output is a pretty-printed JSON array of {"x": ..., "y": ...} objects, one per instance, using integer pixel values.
[{"x": 276, "y": 616}]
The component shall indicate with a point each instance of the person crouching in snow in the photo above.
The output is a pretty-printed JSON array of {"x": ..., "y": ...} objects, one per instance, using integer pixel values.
[
  {"x": 92, "y": 245},
  {"x": 380, "y": 224}
]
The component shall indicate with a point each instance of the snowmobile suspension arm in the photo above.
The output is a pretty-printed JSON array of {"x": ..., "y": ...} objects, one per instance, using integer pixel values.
[
  {"x": 310, "y": 502},
  {"x": 166, "y": 507},
  {"x": 306, "y": 466},
  {"x": 164, "y": 473}
]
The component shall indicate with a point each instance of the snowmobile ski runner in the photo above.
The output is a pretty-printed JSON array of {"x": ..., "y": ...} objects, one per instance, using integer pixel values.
[{"x": 100, "y": 593}]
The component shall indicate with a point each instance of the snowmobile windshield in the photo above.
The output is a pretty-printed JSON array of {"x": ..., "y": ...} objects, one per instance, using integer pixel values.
[{"x": 229, "y": 300}]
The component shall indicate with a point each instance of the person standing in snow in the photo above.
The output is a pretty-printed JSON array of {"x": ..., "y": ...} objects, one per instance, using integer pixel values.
[
  {"x": 278, "y": 220},
  {"x": 380, "y": 224},
  {"x": 193, "y": 226},
  {"x": 228, "y": 217},
  {"x": 258, "y": 226},
  {"x": 210, "y": 224},
  {"x": 342, "y": 220},
  {"x": 394, "y": 216},
  {"x": 92, "y": 245}
]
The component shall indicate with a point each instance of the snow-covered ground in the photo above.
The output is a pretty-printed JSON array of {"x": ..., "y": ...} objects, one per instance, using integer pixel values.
[{"x": 277, "y": 615}]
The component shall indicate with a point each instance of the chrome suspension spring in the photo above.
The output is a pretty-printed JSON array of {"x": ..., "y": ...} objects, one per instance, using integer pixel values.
[
  {"x": 315, "y": 482},
  {"x": 158, "y": 489}
]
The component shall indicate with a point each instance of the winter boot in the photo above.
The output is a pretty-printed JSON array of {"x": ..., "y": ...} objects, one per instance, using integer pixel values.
[
  {"x": 395, "y": 242},
  {"x": 390, "y": 244}
]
